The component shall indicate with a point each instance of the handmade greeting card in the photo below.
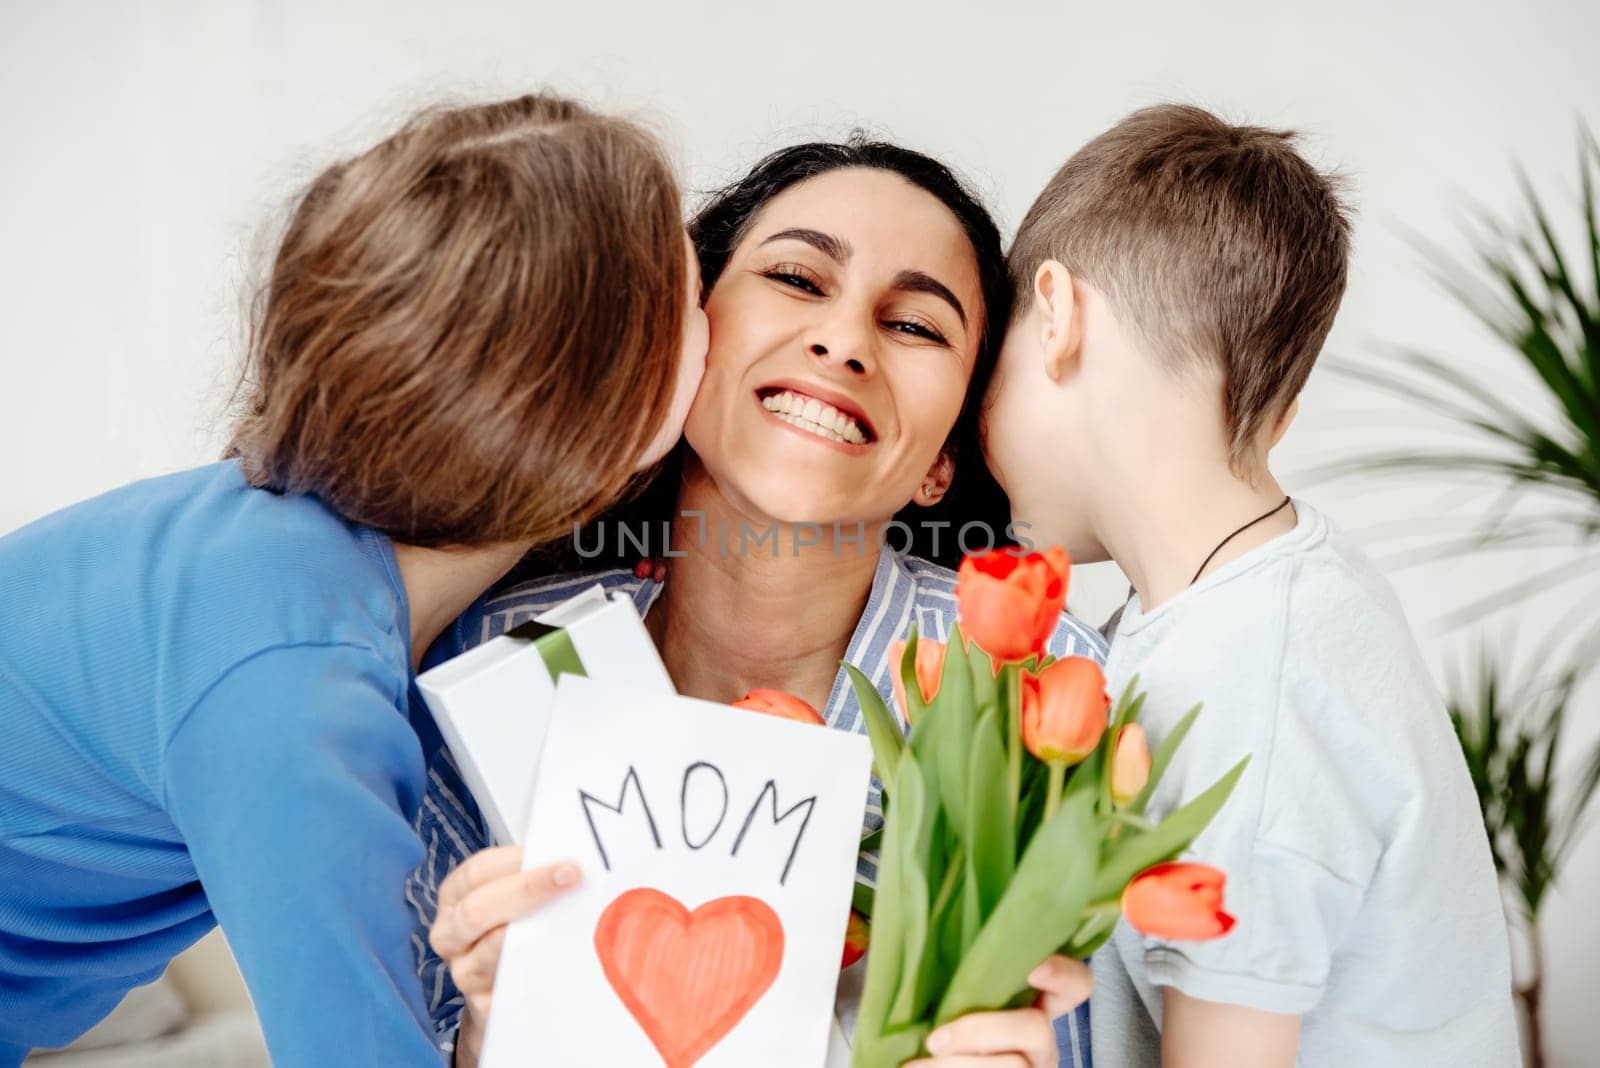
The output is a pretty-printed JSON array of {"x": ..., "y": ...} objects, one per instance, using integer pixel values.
[
  {"x": 718, "y": 850},
  {"x": 493, "y": 702}
]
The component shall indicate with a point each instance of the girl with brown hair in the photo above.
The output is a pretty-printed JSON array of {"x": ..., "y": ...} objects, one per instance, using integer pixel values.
[{"x": 474, "y": 335}]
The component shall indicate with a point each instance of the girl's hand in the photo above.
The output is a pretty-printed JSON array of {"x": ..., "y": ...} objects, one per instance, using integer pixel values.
[
  {"x": 1018, "y": 1038},
  {"x": 476, "y": 901}
]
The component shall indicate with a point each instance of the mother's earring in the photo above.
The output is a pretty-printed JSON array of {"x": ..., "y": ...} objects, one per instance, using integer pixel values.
[{"x": 936, "y": 483}]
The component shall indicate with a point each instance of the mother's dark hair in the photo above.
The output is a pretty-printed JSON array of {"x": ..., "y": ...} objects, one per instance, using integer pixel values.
[{"x": 717, "y": 229}]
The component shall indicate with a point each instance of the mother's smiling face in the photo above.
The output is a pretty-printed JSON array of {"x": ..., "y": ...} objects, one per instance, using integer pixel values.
[{"x": 845, "y": 327}]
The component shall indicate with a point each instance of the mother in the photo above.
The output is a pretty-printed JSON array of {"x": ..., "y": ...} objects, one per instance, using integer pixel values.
[{"x": 857, "y": 295}]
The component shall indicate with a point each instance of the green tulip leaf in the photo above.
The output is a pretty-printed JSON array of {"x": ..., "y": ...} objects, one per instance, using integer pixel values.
[
  {"x": 940, "y": 739},
  {"x": 985, "y": 693},
  {"x": 1030, "y": 812},
  {"x": 861, "y": 896},
  {"x": 943, "y": 748},
  {"x": 971, "y": 908},
  {"x": 1037, "y": 913},
  {"x": 990, "y": 833},
  {"x": 883, "y": 730},
  {"x": 1129, "y": 704},
  {"x": 889, "y": 1049},
  {"x": 884, "y": 954},
  {"x": 944, "y": 925},
  {"x": 907, "y": 668},
  {"x": 915, "y": 814},
  {"x": 1162, "y": 758},
  {"x": 1092, "y": 933},
  {"x": 956, "y": 678},
  {"x": 1134, "y": 853},
  {"x": 1090, "y": 776}
]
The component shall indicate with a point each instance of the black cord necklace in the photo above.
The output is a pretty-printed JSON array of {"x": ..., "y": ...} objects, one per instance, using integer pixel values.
[{"x": 1258, "y": 519}]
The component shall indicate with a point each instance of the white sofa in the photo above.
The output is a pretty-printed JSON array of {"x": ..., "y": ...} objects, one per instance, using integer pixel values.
[{"x": 197, "y": 1015}]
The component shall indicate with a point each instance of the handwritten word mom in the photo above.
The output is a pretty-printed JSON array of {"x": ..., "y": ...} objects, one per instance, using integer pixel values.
[{"x": 704, "y": 804}]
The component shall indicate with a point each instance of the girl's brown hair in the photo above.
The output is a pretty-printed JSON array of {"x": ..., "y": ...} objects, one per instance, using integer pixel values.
[{"x": 470, "y": 332}]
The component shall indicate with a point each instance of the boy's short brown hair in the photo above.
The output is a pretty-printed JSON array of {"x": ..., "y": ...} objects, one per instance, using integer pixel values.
[
  {"x": 471, "y": 331},
  {"x": 1212, "y": 241}
]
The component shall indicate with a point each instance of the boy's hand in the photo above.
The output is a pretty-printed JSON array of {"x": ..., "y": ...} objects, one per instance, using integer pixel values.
[
  {"x": 1018, "y": 1038},
  {"x": 476, "y": 901}
]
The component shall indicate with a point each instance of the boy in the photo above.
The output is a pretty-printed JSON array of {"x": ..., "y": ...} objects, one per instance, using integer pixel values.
[{"x": 1176, "y": 280}]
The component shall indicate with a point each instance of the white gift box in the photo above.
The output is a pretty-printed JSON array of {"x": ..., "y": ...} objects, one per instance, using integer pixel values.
[{"x": 493, "y": 703}]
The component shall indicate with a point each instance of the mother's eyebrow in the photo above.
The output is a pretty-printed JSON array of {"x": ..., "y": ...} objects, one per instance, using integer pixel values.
[
  {"x": 835, "y": 249},
  {"x": 918, "y": 282},
  {"x": 839, "y": 251}
]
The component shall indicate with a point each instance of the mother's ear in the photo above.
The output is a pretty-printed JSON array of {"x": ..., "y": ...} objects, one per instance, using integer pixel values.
[{"x": 936, "y": 483}]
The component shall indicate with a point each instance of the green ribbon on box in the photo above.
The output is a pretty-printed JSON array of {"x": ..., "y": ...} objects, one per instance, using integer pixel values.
[{"x": 555, "y": 647}]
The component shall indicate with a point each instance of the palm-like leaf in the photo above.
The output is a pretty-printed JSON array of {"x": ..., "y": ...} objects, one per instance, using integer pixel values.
[
  {"x": 1526, "y": 289},
  {"x": 1510, "y": 734},
  {"x": 1530, "y": 295}
]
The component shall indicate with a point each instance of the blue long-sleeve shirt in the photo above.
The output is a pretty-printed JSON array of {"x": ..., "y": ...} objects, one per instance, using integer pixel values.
[{"x": 205, "y": 699}]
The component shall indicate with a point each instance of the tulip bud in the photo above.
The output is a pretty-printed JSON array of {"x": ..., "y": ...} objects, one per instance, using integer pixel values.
[
  {"x": 855, "y": 939},
  {"x": 780, "y": 704},
  {"x": 1130, "y": 764},
  {"x": 1064, "y": 710},
  {"x": 930, "y": 665},
  {"x": 1179, "y": 901},
  {"x": 1010, "y": 604}
]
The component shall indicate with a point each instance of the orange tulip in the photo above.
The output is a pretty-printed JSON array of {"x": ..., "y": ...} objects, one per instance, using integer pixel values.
[
  {"x": 930, "y": 665},
  {"x": 780, "y": 704},
  {"x": 855, "y": 939},
  {"x": 1064, "y": 710},
  {"x": 1179, "y": 901},
  {"x": 1130, "y": 764},
  {"x": 1010, "y": 604}
]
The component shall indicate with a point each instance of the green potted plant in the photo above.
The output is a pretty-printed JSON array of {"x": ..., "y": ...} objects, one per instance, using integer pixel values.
[
  {"x": 1543, "y": 305},
  {"x": 1511, "y": 733}
]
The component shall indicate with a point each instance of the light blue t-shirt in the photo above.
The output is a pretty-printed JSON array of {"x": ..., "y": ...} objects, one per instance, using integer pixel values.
[
  {"x": 905, "y": 591},
  {"x": 1356, "y": 858},
  {"x": 205, "y": 692}
]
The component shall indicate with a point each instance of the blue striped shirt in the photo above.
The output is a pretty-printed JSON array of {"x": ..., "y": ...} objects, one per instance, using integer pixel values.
[{"x": 905, "y": 591}]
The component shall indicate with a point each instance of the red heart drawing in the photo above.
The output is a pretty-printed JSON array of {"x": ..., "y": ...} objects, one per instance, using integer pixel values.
[{"x": 688, "y": 978}]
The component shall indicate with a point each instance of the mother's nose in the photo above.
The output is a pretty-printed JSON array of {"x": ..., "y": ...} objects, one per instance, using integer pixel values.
[{"x": 855, "y": 364}]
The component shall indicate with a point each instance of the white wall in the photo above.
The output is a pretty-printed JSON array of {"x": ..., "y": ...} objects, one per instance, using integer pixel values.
[{"x": 145, "y": 143}]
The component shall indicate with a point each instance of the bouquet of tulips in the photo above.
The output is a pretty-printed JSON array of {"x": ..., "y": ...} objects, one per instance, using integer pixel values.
[{"x": 1015, "y": 819}]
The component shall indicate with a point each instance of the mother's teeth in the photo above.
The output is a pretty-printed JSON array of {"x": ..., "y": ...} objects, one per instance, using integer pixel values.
[
  {"x": 814, "y": 428},
  {"x": 816, "y": 416}
]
